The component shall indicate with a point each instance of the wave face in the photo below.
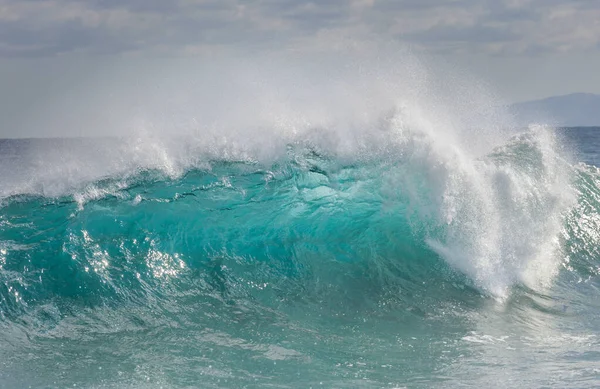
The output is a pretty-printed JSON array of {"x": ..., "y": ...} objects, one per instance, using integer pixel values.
[{"x": 392, "y": 248}]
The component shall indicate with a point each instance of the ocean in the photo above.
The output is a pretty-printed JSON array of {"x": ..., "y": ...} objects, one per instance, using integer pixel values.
[{"x": 399, "y": 257}]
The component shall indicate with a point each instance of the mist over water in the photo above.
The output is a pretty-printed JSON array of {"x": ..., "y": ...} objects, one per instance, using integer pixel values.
[{"x": 346, "y": 221}]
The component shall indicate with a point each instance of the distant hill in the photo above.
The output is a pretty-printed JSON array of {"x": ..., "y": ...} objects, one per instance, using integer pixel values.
[{"x": 577, "y": 109}]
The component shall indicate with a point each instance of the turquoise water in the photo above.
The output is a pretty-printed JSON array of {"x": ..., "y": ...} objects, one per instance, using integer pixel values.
[{"x": 406, "y": 261}]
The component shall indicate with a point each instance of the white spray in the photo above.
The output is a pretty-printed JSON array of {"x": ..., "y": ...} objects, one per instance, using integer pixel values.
[{"x": 500, "y": 218}]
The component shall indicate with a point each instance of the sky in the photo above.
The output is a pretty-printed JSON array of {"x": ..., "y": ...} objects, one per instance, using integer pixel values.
[{"x": 524, "y": 49}]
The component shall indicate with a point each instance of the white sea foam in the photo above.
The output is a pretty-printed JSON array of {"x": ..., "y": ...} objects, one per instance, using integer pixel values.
[{"x": 497, "y": 219}]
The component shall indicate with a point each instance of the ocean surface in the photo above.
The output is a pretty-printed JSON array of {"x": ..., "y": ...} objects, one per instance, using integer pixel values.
[{"x": 402, "y": 256}]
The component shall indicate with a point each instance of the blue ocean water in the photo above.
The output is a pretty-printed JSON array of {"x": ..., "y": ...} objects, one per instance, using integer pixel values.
[{"x": 406, "y": 258}]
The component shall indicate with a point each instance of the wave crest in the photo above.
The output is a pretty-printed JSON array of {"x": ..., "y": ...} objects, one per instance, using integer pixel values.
[{"x": 309, "y": 222}]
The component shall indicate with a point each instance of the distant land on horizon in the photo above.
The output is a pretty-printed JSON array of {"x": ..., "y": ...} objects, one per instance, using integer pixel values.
[{"x": 572, "y": 110}]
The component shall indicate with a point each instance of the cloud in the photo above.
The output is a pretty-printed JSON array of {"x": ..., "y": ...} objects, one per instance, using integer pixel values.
[{"x": 54, "y": 27}]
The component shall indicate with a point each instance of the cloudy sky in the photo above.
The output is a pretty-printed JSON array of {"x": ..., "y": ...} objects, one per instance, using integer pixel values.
[{"x": 525, "y": 49}]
